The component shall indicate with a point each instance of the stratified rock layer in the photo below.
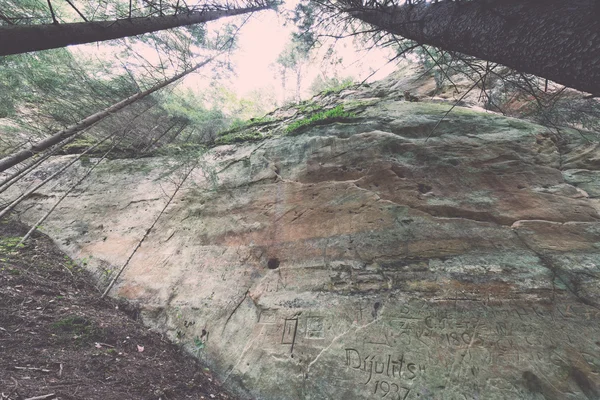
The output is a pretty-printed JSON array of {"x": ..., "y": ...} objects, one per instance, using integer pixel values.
[{"x": 360, "y": 260}]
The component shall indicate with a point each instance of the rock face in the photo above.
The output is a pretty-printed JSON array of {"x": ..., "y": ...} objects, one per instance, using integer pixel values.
[{"x": 361, "y": 260}]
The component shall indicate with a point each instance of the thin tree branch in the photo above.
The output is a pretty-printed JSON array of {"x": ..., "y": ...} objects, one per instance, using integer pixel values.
[
  {"x": 52, "y": 12},
  {"x": 76, "y": 10}
]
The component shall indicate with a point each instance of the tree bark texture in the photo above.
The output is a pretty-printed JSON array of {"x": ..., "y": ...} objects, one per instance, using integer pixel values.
[
  {"x": 554, "y": 39},
  {"x": 58, "y": 137},
  {"x": 16, "y": 39}
]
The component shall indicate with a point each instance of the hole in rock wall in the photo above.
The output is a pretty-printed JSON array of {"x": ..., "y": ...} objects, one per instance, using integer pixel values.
[
  {"x": 273, "y": 263},
  {"x": 424, "y": 188}
]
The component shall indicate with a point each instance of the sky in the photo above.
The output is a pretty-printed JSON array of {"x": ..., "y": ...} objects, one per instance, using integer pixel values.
[
  {"x": 261, "y": 39},
  {"x": 264, "y": 37}
]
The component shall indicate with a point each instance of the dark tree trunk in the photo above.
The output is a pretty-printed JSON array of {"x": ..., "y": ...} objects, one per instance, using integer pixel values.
[
  {"x": 16, "y": 39},
  {"x": 554, "y": 39}
]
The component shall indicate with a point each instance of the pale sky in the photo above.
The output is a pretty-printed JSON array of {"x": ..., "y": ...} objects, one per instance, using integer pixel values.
[
  {"x": 264, "y": 37},
  {"x": 260, "y": 42}
]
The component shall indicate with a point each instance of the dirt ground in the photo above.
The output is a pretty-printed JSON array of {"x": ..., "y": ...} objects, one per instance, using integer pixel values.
[{"x": 59, "y": 340}]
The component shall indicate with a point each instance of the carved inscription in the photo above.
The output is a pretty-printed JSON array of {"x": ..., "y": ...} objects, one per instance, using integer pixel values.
[
  {"x": 315, "y": 328},
  {"x": 384, "y": 372},
  {"x": 382, "y": 366},
  {"x": 267, "y": 317},
  {"x": 289, "y": 331},
  {"x": 467, "y": 346},
  {"x": 395, "y": 392}
]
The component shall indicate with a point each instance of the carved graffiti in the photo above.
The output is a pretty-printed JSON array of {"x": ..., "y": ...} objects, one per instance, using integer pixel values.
[
  {"x": 315, "y": 328},
  {"x": 290, "y": 327},
  {"x": 395, "y": 392},
  {"x": 267, "y": 317},
  {"x": 389, "y": 366},
  {"x": 394, "y": 355}
]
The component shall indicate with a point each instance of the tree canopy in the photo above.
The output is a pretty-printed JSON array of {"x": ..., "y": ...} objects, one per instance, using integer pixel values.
[{"x": 554, "y": 39}]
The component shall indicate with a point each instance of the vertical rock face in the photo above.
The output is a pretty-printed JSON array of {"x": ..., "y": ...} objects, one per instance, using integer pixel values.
[{"x": 360, "y": 260}]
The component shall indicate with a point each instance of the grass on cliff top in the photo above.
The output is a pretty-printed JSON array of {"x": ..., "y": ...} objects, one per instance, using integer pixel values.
[
  {"x": 338, "y": 88},
  {"x": 249, "y": 131},
  {"x": 245, "y": 131},
  {"x": 319, "y": 118},
  {"x": 240, "y": 136}
]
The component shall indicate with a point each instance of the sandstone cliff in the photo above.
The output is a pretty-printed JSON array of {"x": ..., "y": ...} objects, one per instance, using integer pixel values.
[{"x": 353, "y": 258}]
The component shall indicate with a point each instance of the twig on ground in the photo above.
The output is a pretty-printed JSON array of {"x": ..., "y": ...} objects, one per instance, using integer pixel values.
[
  {"x": 43, "y": 397},
  {"x": 33, "y": 369}
]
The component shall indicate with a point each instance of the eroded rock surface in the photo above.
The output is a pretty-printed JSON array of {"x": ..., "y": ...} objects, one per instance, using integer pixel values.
[{"x": 359, "y": 260}]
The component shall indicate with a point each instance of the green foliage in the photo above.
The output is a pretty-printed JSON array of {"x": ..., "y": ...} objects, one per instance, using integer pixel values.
[
  {"x": 332, "y": 115},
  {"x": 10, "y": 244},
  {"x": 245, "y": 131},
  {"x": 238, "y": 125},
  {"x": 436, "y": 63},
  {"x": 55, "y": 89},
  {"x": 338, "y": 88},
  {"x": 199, "y": 343},
  {"x": 240, "y": 136},
  {"x": 216, "y": 114},
  {"x": 82, "y": 143},
  {"x": 326, "y": 87},
  {"x": 294, "y": 54},
  {"x": 189, "y": 108},
  {"x": 307, "y": 107},
  {"x": 251, "y": 105}
]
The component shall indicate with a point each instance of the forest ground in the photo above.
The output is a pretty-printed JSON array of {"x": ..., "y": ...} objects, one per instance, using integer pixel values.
[{"x": 59, "y": 340}]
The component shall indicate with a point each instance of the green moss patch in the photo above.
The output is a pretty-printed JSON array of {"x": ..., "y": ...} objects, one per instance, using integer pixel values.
[{"x": 336, "y": 114}]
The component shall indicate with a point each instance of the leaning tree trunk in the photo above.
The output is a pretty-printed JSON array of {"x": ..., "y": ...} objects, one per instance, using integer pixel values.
[
  {"x": 23, "y": 155},
  {"x": 16, "y": 39},
  {"x": 554, "y": 39},
  {"x": 298, "y": 82}
]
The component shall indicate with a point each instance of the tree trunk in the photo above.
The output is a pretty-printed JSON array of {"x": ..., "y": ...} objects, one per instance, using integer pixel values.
[
  {"x": 23, "y": 155},
  {"x": 17, "y": 175},
  {"x": 114, "y": 279},
  {"x": 16, "y": 39},
  {"x": 554, "y": 39},
  {"x": 298, "y": 82},
  {"x": 29, "y": 192},
  {"x": 283, "y": 78}
]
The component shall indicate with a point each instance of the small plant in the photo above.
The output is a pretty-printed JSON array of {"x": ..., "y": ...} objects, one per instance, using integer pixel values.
[
  {"x": 239, "y": 125},
  {"x": 198, "y": 344},
  {"x": 85, "y": 261},
  {"x": 70, "y": 265},
  {"x": 107, "y": 273},
  {"x": 334, "y": 114},
  {"x": 244, "y": 131},
  {"x": 255, "y": 122},
  {"x": 338, "y": 88},
  {"x": 10, "y": 244},
  {"x": 307, "y": 106}
]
